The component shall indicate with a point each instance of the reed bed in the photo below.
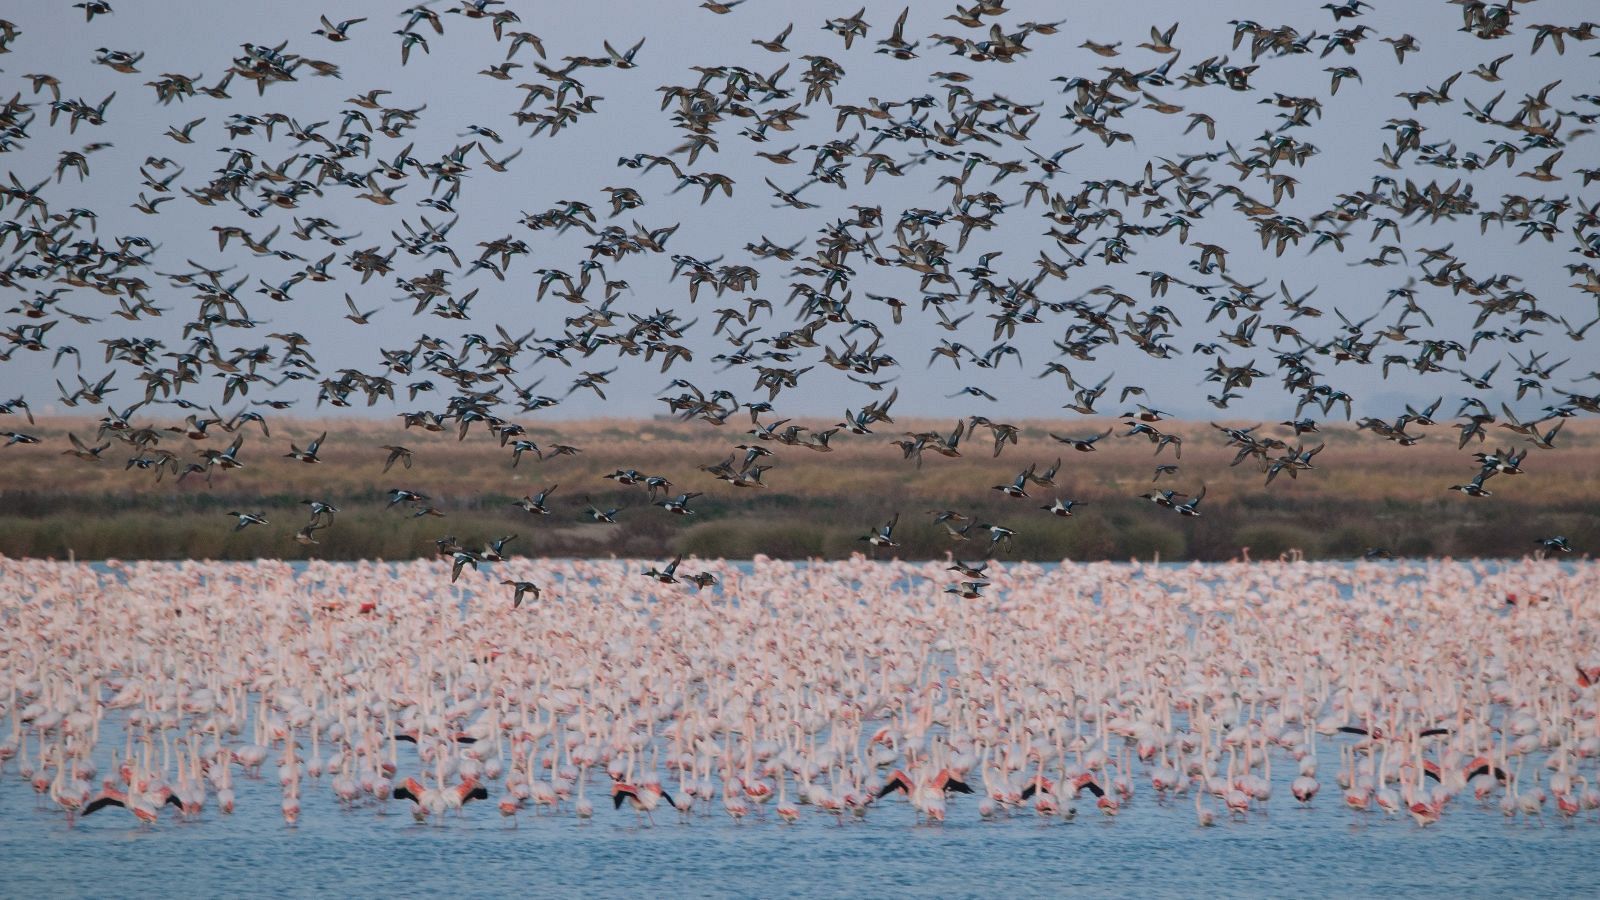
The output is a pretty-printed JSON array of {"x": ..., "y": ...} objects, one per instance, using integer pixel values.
[{"x": 1364, "y": 493}]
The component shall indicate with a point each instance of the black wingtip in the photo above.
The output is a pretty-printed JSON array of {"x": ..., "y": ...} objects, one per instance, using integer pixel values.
[
  {"x": 99, "y": 804},
  {"x": 1486, "y": 769},
  {"x": 894, "y": 784}
]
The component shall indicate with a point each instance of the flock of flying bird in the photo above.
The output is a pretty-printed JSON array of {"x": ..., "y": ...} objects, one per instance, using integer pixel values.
[{"x": 275, "y": 206}]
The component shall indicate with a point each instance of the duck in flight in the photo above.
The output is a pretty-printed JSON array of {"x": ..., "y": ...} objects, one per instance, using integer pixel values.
[
  {"x": 608, "y": 516},
  {"x": 308, "y": 455},
  {"x": 536, "y": 503},
  {"x": 679, "y": 505},
  {"x": 1017, "y": 489},
  {"x": 1083, "y": 445},
  {"x": 245, "y": 520},
  {"x": 1192, "y": 507},
  {"x": 883, "y": 537},
  {"x": 494, "y": 551},
  {"x": 967, "y": 590},
  {"x": 1062, "y": 508},
  {"x": 1166, "y": 498},
  {"x": 459, "y": 560},
  {"x": 337, "y": 33},
  {"x": 521, "y": 589},
  {"x": 668, "y": 575},
  {"x": 970, "y": 571}
]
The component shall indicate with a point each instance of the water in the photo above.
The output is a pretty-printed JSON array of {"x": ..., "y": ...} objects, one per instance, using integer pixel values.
[{"x": 1148, "y": 850}]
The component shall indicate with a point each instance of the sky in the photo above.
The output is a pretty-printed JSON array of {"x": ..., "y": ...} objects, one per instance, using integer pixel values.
[{"x": 580, "y": 161}]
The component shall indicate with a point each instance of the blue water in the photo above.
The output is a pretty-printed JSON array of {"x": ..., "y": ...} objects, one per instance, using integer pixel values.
[{"x": 1148, "y": 850}]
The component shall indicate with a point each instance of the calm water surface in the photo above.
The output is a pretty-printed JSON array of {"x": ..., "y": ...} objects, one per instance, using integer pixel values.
[{"x": 1148, "y": 850}]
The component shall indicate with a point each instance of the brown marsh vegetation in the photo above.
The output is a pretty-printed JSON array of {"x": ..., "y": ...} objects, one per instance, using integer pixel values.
[{"x": 1365, "y": 492}]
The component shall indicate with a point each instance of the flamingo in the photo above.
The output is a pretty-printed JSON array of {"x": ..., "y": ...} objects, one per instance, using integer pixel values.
[
  {"x": 787, "y": 812},
  {"x": 643, "y": 798},
  {"x": 804, "y": 705},
  {"x": 1203, "y": 814},
  {"x": 70, "y": 799},
  {"x": 582, "y": 807},
  {"x": 134, "y": 802},
  {"x": 732, "y": 803}
]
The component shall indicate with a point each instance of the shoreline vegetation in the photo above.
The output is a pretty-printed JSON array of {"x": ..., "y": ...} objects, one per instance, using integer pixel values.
[{"x": 1364, "y": 493}]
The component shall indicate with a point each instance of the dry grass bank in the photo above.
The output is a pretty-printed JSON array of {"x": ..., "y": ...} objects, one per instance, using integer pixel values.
[{"x": 1365, "y": 492}]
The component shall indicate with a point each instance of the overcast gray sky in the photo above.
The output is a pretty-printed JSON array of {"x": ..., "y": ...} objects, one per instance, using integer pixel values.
[{"x": 201, "y": 39}]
